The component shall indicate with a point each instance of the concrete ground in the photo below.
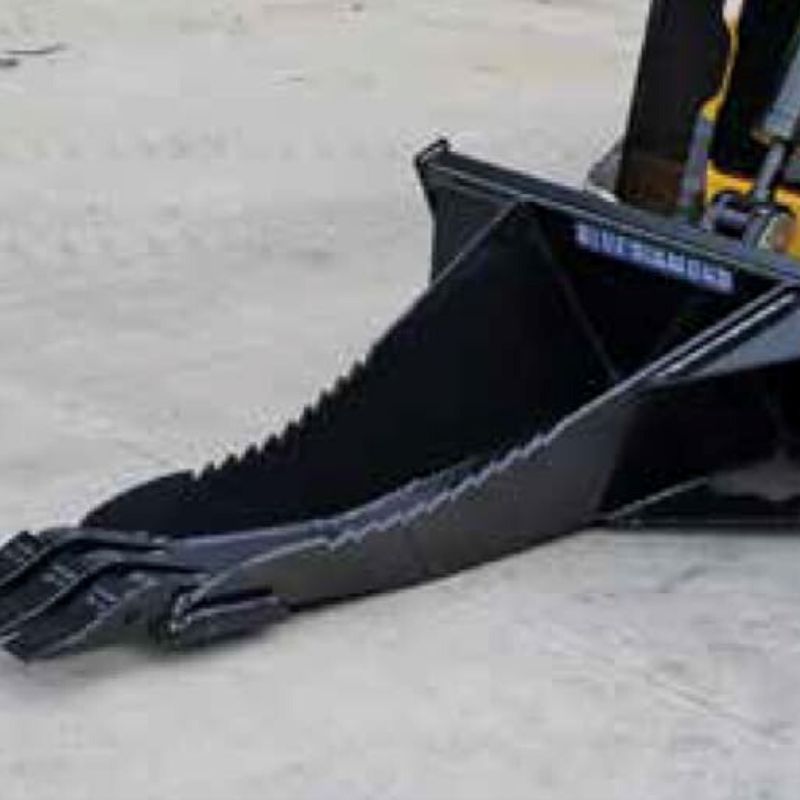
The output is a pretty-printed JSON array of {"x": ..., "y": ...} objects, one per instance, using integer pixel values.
[{"x": 206, "y": 213}]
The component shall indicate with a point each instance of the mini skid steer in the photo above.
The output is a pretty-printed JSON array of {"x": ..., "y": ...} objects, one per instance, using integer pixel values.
[{"x": 628, "y": 355}]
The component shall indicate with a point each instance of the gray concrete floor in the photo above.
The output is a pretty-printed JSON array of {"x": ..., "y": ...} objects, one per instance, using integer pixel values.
[{"x": 206, "y": 213}]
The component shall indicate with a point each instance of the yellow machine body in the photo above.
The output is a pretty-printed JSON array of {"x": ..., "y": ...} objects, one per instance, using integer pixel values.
[{"x": 719, "y": 181}]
